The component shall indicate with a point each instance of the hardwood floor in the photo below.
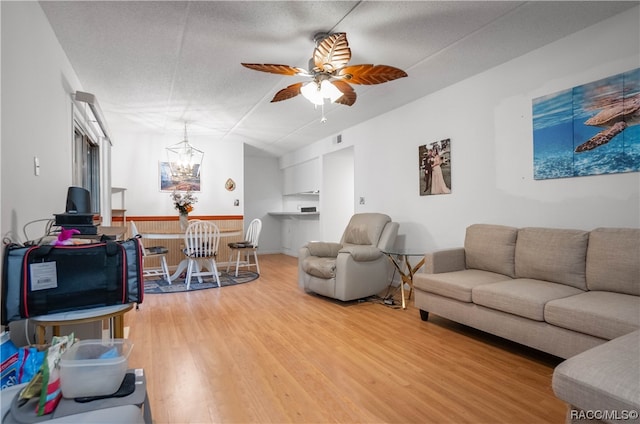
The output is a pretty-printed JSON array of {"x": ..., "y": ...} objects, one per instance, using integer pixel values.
[{"x": 266, "y": 352}]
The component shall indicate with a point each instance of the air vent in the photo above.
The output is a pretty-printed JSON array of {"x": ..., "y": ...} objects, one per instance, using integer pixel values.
[{"x": 339, "y": 139}]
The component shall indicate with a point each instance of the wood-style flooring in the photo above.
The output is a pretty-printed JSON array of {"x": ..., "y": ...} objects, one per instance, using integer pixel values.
[{"x": 267, "y": 352}]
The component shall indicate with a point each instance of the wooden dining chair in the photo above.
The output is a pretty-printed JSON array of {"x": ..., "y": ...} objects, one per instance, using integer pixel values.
[
  {"x": 201, "y": 241},
  {"x": 153, "y": 252},
  {"x": 246, "y": 247}
]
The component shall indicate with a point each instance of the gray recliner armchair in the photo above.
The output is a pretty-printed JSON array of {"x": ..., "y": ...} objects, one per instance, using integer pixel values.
[{"x": 354, "y": 268}]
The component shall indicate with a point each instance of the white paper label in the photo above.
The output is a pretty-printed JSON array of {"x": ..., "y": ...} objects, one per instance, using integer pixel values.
[{"x": 43, "y": 276}]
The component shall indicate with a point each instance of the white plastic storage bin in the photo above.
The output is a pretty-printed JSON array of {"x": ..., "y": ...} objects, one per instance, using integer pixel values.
[{"x": 94, "y": 367}]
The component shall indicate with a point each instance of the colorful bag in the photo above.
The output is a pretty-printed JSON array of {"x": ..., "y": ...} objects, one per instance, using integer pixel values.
[
  {"x": 9, "y": 357},
  {"x": 41, "y": 280},
  {"x": 51, "y": 392}
]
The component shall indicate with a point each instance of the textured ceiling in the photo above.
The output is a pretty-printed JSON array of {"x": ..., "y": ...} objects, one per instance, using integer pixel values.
[{"x": 155, "y": 65}]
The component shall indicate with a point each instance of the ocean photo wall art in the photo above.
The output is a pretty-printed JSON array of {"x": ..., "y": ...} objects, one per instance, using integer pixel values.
[{"x": 590, "y": 129}]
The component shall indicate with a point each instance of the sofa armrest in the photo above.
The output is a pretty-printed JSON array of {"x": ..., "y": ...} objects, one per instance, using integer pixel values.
[
  {"x": 444, "y": 261},
  {"x": 323, "y": 249},
  {"x": 361, "y": 253}
]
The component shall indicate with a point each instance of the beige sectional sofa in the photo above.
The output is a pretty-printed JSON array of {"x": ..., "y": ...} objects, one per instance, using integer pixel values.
[
  {"x": 572, "y": 293},
  {"x": 602, "y": 384},
  {"x": 561, "y": 291}
]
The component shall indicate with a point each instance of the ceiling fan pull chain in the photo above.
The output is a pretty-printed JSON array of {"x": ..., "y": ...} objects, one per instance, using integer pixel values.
[{"x": 324, "y": 118}]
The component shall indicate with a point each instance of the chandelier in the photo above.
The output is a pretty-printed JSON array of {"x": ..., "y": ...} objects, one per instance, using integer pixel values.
[{"x": 184, "y": 159}]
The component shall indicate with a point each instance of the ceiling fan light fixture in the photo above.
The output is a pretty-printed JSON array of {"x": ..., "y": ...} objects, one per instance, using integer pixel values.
[
  {"x": 311, "y": 92},
  {"x": 330, "y": 91},
  {"x": 317, "y": 93}
]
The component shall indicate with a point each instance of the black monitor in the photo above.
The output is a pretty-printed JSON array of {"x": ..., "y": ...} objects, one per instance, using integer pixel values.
[{"x": 78, "y": 200}]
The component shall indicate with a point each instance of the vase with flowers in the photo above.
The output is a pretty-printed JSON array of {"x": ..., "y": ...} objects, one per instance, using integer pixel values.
[{"x": 183, "y": 202}]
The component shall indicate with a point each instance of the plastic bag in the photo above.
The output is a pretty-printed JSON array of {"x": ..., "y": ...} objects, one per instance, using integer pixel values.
[
  {"x": 29, "y": 362},
  {"x": 51, "y": 392},
  {"x": 9, "y": 367},
  {"x": 46, "y": 383}
]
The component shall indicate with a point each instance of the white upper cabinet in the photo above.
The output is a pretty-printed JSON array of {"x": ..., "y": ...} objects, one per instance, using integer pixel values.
[{"x": 302, "y": 178}]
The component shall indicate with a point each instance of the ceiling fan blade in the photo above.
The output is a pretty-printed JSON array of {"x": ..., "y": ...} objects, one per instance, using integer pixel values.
[
  {"x": 288, "y": 92},
  {"x": 370, "y": 74},
  {"x": 348, "y": 97},
  {"x": 332, "y": 53},
  {"x": 275, "y": 69}
]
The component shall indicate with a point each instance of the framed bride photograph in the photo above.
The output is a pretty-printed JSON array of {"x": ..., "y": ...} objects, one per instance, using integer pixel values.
[{"x": 434, "y": 168}]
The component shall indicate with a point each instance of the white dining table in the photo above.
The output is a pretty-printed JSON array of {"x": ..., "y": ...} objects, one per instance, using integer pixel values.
[
  {"x": 175, "y": 235},
  {"x": 182, "y": 266}
]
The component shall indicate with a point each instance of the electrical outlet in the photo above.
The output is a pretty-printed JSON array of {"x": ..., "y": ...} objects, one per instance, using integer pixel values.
[{"x": 362, "y": 200}]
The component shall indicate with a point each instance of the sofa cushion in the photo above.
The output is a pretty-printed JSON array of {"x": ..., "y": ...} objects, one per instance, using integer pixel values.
[
  {"x": 601, "y": 314},
  {"x": 604, "y": 378},
  {"x": 549, "y": 254},
  {"x": 613, "y": 260},
  {"x": 523, "y": 297},
  {"x": 320, "y": 267},
  {"x": 457, "y": 284},
  {"x": 491, "y": 248}
]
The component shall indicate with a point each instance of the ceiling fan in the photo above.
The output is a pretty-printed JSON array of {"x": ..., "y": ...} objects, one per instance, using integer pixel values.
[{"x": 331, "y": 77}]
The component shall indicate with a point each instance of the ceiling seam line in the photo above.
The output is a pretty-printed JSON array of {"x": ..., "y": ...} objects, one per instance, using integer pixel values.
[
  {"x": 345, "y": 16},
  {"x": 177, "y": 63},
  {"x": 469, "y": 35}
]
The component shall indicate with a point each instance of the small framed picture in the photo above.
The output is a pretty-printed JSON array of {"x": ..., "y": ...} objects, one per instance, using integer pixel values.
[
  {"x": 434, "y": 168},
  {"x": 171, "y": 181}
]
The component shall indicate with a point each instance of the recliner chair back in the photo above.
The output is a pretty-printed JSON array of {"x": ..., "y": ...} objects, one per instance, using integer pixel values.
[{"x": 370, "y": 229}]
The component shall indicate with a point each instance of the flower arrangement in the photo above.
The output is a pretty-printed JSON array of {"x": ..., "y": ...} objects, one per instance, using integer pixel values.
[{"x": 183, "y": 202}]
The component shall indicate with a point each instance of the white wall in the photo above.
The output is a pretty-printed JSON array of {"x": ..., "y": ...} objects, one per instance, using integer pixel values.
[
  {"x": 1, "y": 220},
  {"x": 37, "y": 82},
  {"x": 135, "y": 161},
  {"x": 263, "y": 194},
  {"x": 488, "y": 118},
  {"x": 337, "y": 200}
]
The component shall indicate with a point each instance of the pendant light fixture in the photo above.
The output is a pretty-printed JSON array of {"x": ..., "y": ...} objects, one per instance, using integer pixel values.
[{"x": 184, "y": 159}]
